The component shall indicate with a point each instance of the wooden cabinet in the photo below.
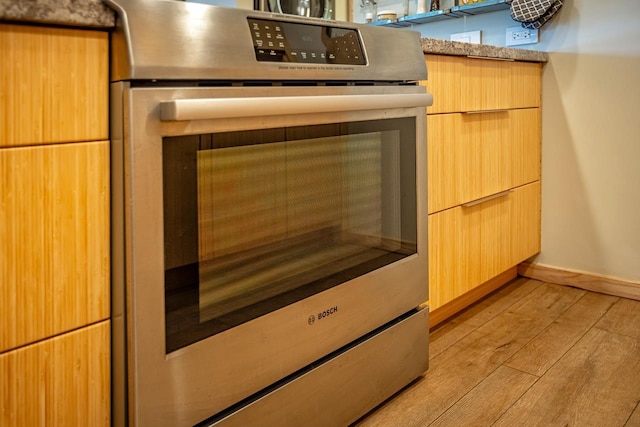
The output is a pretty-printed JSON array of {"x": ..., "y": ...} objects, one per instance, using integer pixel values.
[
  {"x": 471, "y": 156},
  {"x": 462, "y": 84},
  {"x": 54, "y": 227},
  {"x": 470, "y": 245},
  {"x": 48, "y": 85},
  {"x": 483, "y": 156},
  {"x": 61, "y": 381},
  {"x": 54, "y": 205}
]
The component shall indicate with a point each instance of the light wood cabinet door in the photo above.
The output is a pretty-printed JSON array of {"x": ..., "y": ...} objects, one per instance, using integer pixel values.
[
  {"x": 53, "y": 85},
  {"x": 460, "y": 84},
  {"x": 469, "y": 245},
  {"x": 489, "y": 84},
  {"x": 62, "y": 381},
  {"x": 54, "y": 235},
  {"x": 472, "y": 156}
]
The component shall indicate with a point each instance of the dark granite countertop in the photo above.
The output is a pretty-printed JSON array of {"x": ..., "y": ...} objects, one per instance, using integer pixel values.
[
  {"x": 78, "y": 13},
  {"x": 445, "y": 47}
]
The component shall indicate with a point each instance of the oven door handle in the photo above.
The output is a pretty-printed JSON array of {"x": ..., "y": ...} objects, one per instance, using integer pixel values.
[{"x": 223, "y": 108}]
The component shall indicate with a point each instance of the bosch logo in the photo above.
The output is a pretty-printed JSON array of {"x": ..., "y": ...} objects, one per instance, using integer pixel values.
[
  {"x": 327, "y": 312},
  {"x": 323, "y": 314}
]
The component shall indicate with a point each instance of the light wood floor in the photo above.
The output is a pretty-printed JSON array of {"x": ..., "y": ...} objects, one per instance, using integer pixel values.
[{"x": 532, "y": 354}]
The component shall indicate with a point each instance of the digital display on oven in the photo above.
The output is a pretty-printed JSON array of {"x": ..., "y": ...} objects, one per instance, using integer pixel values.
[{"x": 277, "y": 41}]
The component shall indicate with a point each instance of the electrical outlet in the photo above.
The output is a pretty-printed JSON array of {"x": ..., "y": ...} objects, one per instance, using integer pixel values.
[
  {"x": 519, "y": 35},
  {"x": 468, "y": 37}
]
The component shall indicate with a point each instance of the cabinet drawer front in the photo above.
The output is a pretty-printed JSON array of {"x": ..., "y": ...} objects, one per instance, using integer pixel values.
[
  {"x": 53, "y": 85},
  {"x": 461, "y": 84},
  {"x": 470, "y": 245},
  {"x": 472, "y": 156},
  {"x": 54, "y": 234},
  {"x": 61, "y": 381}
]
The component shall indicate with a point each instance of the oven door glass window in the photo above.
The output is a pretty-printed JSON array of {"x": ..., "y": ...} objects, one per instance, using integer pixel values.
[{"x": 257, "y": 220}]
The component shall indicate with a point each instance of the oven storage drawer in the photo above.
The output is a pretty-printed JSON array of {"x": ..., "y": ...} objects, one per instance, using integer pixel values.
[{"x": 324, "y": 395}]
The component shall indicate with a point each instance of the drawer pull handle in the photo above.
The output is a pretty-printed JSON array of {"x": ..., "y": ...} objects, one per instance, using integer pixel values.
[
  {"x": 497, "y": 110},
  {"x": 486, "y": 199}
]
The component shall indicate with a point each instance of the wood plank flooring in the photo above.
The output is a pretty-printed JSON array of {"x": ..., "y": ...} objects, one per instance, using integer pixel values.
[{"x": 531, "y": 354}]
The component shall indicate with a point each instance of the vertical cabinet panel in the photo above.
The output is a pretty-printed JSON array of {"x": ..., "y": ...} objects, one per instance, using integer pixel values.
[
  {"x": 54, "y": 234},
  {"x": 63, "y": 381},
  {"x": 54, "y": 227},
  {"x": 53, "y": 85},
  {"x": 446, "y": 251},
  {"x": 525, "y": 222},
  {"x": 444, "y": 138},
  {"x": 525, "y": 140},
  {"x": 444, "y": 82}
]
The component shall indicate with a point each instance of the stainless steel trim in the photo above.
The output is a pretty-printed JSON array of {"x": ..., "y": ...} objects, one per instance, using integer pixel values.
[
  {"x": 341, "y": 390},
  {"x": 217, "y": 108},
  {"x": 118, "y": 267},
  {"x": 169, "y": 40},
  {"x": 487, "y": 198}
]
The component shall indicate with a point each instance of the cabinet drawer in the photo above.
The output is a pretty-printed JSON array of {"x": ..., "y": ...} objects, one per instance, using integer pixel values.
[
  {"x": 54, "y": 235},
  {"x": 460, "y": 84},
  {"x": 53, "y": 85},
  {"x": 469, "y": 245},
  {"x": 63, "y": 381},
  {"x": 471, "y": 156}
]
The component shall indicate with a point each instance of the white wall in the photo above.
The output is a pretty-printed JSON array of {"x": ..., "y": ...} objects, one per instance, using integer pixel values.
[
  {"x": 591, "y": 132},
  {"x": 591, "y": 139}
]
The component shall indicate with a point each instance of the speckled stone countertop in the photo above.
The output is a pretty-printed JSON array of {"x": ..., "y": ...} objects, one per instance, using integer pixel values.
[
  {"x": 445, "y": 47},
  {"x": 78, "y": 13}
]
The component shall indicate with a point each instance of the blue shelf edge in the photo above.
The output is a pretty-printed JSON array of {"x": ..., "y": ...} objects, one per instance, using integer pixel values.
[
  {"x": 433, "y": 16},
  {"x": 393, "y": 23},
  {"x": 485, "y": 6}
]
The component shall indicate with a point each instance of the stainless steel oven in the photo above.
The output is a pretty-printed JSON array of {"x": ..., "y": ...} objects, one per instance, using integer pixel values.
[{"x": 269, "y": 205}]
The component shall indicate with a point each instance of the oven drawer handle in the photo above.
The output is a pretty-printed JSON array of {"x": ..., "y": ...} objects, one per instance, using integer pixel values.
[{"x": 223, "y": 108}]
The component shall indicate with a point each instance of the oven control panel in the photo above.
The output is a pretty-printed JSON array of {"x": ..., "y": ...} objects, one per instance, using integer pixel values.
[{"x": 279, "y": 41}]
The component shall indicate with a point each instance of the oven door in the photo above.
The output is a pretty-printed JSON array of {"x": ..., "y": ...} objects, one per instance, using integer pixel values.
[{"x": 264, "y": 228}]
